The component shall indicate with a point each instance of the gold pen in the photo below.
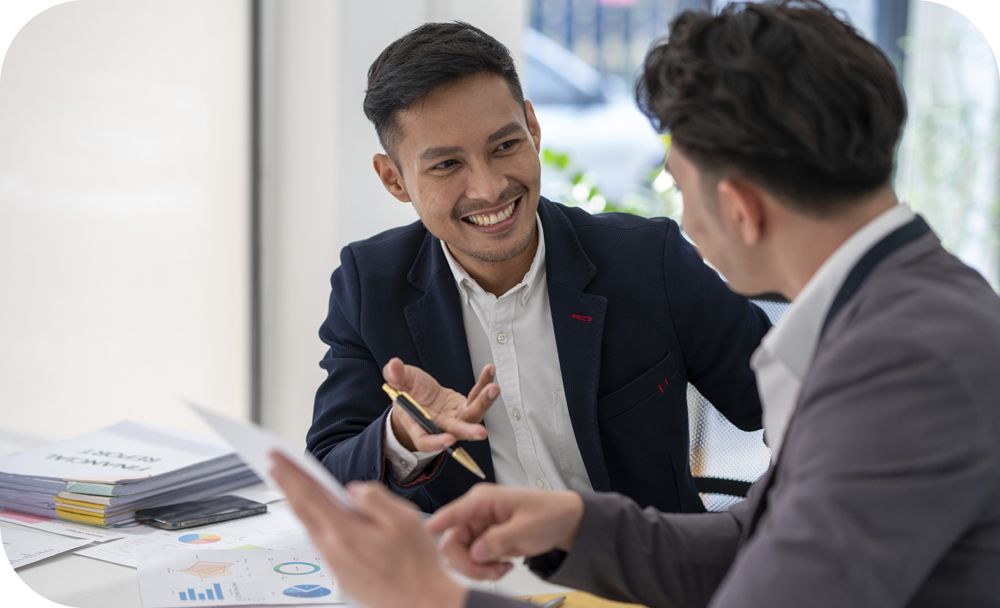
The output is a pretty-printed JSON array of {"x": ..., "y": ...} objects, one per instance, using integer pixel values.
[{"x": 419, "y": 414}]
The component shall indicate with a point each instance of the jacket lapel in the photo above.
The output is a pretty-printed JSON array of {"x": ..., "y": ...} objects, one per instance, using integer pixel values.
[
  {"x": 578, "y": 324},
  {"x": 435, "y": 322},
  {"x": 912, "y": 231}
]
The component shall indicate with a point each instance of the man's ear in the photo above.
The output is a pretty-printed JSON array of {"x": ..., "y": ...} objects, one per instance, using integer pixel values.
[
  {"x": 391, "y": 177},
  {"x": 533, "y": 126},
  {"x": 741, "y": 205}
]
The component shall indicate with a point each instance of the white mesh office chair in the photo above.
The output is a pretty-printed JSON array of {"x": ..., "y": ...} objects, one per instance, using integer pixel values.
[{"x": 724, "y": 459}]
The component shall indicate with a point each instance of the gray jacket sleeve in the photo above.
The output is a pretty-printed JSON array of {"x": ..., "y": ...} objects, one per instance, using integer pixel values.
[
  {"x": 629, "y": 554},
  {"x": 480, "y": 599},
  {"x": 886, "y": 465}
]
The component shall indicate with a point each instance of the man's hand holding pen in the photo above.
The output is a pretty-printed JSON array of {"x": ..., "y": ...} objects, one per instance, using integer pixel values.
[{"x": 460, "y": 417}]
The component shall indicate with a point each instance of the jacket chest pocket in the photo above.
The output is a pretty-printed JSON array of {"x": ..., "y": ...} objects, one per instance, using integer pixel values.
[{"x": 654, "y": 382}]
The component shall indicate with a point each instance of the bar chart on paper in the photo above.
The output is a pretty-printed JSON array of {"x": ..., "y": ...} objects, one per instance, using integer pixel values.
[
  {"x": 234, "y": 578},
  {"x": 212, "y": 593}
]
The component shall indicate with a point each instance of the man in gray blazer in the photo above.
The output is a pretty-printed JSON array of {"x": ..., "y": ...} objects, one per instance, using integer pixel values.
[{"x": 880, "y": 387}]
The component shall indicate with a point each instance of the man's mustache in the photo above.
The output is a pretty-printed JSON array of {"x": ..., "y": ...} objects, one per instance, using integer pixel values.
[{"x": 475, "y": 206}]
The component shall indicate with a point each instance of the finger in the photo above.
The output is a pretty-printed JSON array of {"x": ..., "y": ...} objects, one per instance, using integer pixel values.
[
  {"x": 384, "y": 508},
  {"x": 406, "y": 378},
  {"x": 453, "y": 429},
  {"x": 461, "y": 429},
  {"x": 421, "y": 439},
  {"x": 475, "y": 409},
  {"x": 485, "y": 377},
  {"x": 413, "y": 380},
  {"x": 434, "y": 443},
  {"x": 499, "y": 542},
  {"x": 393, "y": 373},
  {"x": 455, "y": 549},
  {"x": 463, "y": 510}
]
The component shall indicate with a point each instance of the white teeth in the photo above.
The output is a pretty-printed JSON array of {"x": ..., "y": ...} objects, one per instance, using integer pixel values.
[{"x": 492, "y": 218}]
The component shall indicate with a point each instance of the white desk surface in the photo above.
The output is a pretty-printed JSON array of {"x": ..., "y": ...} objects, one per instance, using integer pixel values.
[{"x": 83, "y": 582}]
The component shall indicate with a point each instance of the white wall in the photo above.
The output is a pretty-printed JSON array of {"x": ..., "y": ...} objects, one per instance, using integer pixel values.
[
  {"x": 320, "y": 190},
  {"x": 124, "y": 210},
  {"x": 123, "y": 214}
]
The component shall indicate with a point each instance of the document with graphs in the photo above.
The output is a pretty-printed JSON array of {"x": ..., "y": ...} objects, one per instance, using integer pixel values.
[{"x": 205, "y": 577}]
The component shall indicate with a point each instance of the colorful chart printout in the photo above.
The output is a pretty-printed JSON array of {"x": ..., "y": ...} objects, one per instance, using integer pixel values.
[
  {"x": 227, "y": 577},
  {"x": 199, "y": 539}
]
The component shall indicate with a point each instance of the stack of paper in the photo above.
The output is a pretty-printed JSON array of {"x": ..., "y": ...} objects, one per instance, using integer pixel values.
[{"x": 103, "y": 477}]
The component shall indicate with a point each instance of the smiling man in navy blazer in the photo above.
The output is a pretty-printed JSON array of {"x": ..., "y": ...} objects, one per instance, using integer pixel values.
[{"x": 586, "y": 329}]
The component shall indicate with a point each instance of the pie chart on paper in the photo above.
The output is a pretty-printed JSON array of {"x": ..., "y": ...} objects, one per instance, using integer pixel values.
[
  {"x": 199, "y": 539},
  {"x": 307, "y": 591}
]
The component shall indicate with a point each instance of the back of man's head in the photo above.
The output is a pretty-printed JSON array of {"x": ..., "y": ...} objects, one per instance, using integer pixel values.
[
  {"x": 431, "y": 55},
  {"x": 783, "y": 93}
]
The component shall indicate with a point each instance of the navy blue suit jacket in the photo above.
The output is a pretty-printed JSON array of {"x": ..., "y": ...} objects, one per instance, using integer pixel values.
[{"x": 636, "y": 315}]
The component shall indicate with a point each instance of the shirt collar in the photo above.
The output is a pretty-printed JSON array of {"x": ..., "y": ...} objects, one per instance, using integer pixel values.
[
  {"x": 793, "y": 340},
  {"x": 535, "y": 275}
]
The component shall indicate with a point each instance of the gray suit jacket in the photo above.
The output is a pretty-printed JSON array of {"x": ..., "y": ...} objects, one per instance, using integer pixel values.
[{"x": 887, "y": 490}]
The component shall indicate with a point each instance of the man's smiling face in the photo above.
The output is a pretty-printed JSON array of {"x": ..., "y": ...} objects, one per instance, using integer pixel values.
[{"x": 467, "y": 153}]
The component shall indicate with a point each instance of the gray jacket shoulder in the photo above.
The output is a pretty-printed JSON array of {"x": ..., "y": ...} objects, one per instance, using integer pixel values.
[{"x": 927, "y": 301}]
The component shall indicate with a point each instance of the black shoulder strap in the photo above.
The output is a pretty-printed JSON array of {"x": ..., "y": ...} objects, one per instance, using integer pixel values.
[{"x": 898, "y": 238}]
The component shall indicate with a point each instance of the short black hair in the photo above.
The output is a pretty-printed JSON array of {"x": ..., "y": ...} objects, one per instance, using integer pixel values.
[
  {"x": 782, "y": 92},
  {"x": 431, "y": 55}
]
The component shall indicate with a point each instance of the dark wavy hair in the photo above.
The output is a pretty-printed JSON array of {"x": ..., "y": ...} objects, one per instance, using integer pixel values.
[
  {"x": 784, "y": 93},
  {"x": 429, "y": 56}
]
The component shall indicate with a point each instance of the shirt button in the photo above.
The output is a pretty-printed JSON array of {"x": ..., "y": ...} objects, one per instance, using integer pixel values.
[
  {"x": 516, "y": 413},
  {"x": 539, "y": 483},
  {"x": 502, "y": 338}
]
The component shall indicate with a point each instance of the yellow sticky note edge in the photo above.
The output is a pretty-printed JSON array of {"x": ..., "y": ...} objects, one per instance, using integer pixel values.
[
  {"x": 93, "y": 520},
  {"x": 69, "y": 502}
]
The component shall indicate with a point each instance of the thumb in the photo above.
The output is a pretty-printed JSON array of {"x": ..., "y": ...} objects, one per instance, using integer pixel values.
[
  {"x": 394, "y": 372},
  {"x": 499, "y": 542}
]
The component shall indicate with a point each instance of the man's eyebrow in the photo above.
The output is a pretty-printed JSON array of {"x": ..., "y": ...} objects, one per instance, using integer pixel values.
[
  {"x": 431, "y": 153},
  {"x": 504, "y": 131}
]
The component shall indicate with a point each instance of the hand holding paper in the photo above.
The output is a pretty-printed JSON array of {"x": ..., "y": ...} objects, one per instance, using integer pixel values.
[{"x": 385, "y": 558}]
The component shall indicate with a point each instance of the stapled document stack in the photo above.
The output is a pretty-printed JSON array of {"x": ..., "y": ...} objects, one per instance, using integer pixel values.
[{"x": 102, "y": 478}]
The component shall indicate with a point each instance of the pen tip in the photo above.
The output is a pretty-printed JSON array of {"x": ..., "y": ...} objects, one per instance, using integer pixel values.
[{"x": 466, "y": 461}]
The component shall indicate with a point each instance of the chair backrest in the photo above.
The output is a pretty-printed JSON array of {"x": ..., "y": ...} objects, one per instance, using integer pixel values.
[{"x": 724, "y": 459}]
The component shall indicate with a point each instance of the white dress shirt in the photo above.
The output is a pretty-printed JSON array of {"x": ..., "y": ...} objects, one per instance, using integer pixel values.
[
  {"x": 531, "y": 436},
  {"x": 786, "y": 352}
]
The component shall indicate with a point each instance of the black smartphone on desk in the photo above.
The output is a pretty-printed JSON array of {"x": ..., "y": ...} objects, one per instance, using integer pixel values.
[{"x": 200, "y": 512}]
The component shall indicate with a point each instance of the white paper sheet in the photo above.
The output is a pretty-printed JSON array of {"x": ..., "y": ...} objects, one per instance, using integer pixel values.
[
  {"x": 277, "y": 529},
  {"x": 235, "y": 578},
  {"x": 125, "y": 451},
  {"x": 254, "y": 445},
  {"x": 24, "y": 546},
  {"x": 71, "y": 529}
]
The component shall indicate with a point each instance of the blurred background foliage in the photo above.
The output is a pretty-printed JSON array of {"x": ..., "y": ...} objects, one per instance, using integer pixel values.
[
  {"x": 601, "y": 154},
  {"x": 656, "y": 196}
]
